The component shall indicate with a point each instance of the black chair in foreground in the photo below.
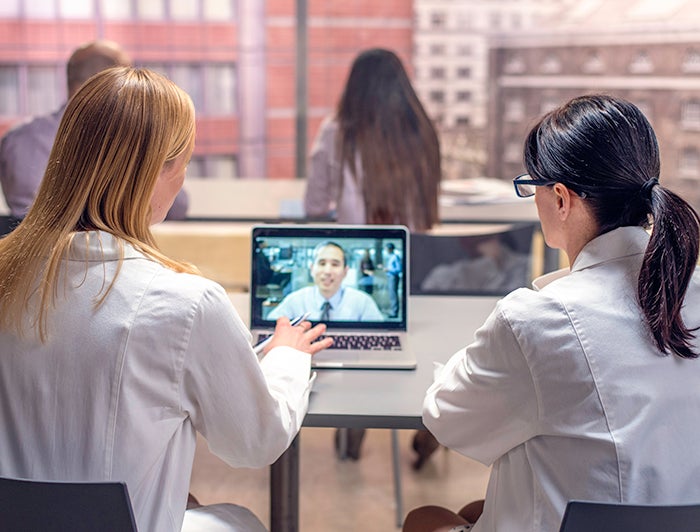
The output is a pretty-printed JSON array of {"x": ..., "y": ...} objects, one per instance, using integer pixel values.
[
  {"x": 41, "y": 506},
  {"x": 7, "y": 224},
  {"x": 585, "y": 516}
]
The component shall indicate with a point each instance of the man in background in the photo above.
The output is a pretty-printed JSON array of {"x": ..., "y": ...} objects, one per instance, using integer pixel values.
[{"x": 25, "y": 149}]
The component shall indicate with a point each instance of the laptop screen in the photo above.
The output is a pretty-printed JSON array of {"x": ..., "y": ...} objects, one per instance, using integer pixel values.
[{"x": 350, "y": 277}]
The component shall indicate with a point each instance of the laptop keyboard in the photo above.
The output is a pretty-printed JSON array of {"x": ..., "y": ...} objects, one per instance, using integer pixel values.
[{"x": 365, "y": 342}]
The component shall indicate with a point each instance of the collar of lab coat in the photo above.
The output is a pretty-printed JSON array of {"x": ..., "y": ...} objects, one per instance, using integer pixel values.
[
  {"x": 98, "y": 246},
  {"x": 618, "y": 243}
]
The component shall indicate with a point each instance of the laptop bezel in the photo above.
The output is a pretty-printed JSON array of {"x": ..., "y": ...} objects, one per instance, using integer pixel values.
[{"x": 331, "y": 232}]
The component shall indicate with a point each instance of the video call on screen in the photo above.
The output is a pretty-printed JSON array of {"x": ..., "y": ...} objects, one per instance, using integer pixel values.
[{"x": 283, "y": 265}]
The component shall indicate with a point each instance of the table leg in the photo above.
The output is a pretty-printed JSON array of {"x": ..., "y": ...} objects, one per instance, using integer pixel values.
[{"x": 284, "y": 490}]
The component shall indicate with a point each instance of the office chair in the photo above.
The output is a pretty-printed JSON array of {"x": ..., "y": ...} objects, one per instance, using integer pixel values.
[
  {"x": 585, "y": 516},
  {"x": 42, "y": 506}
]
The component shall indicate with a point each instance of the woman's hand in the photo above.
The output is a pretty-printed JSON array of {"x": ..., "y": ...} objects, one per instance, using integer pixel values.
[{"x": 302, "y": 336}]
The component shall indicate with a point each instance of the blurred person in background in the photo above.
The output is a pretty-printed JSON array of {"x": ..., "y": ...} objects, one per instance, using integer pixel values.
[
  {"x": 24, "y": 150},
  {"x": 376, "y": 160}
]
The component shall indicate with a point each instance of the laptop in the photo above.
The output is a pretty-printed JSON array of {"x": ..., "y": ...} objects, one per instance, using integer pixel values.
[{"x": 352, "y": 278}]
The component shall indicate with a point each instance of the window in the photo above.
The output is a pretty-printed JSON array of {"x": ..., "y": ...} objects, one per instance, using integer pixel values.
[
  {"x": 551, "y": 65},
  {"x": 150, "y": 9},
  {"x": 189, "y": 78},
  {"x": 437, "y": 73},
  {"x": 689, "y": 164},
  {"x": 548, "y": 104},
  {"x": 641, "y": 64},
  {"x": 464, "y": 72},
  {"x": 218, "y": 10},
  {"x": 462, "y": 120},
  {"x": 690, "y": 114},
  {"x": 77, "y": 8},
  {"x": 9, "y": 8},
  {"x": 437, "y": 49},
  {"x": 437, "y": 19},
  {"x": 437, "y": 96},
  {"x": 593, "y": 64},
  {"x": 212, "y": 166},
  {"x": 691, "y": 61},
  {"x": 183, "y": 10},
  {"x": 514, "y": 65},
  {"x": 112, "y": 10},
  {"x": 220, "y": 89},
  {"x": 9, "y": 91},
  {"x": 45, "y": 89},
  {"x": 513, "y": 152},
  {"x": 40, "y": 9},
  {"x": 464, "y": 50},
  {"x": 515, "y": 110},
  {"x": 463, "y": 96}
]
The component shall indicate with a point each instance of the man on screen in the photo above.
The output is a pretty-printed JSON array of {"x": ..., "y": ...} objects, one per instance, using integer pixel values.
[{"x": 328, "y": 300}]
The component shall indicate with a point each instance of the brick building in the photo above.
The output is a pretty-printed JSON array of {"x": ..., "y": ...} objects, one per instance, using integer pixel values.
[{"x": 236, "y": 58}]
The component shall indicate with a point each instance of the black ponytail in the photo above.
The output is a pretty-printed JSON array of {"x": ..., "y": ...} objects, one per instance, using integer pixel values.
[
  {"x": 604, "y": 146},
  {"x": 669, "y": 262}
]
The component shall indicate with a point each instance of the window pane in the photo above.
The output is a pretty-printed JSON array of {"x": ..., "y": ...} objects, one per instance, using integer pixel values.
[
  {"x": 150, "y": 9},
  {"x": 183, "y": 10},
  {"x": 189, "y": 78},
  {"x": 43, "y": 91},
  {"x": 222, "y": 166},
  {"x": 218, "y": 9},
  {"x": 9, "y": 95},
  {"x": 77, "y": 8},
  {"x": 220, "y": 89},
  {"x": 40, "y": 8},
  {"x": 115, "y": 10},
  {"x": 9, "y": 8}
]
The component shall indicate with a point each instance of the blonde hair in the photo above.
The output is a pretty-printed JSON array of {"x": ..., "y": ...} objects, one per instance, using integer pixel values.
[{"x": 117, "y": 133}]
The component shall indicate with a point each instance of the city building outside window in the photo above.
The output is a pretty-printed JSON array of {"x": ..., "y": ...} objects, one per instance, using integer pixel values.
[
  {"x": 437, "y": 19},
  {"x": 690, "y": 114},
  {"x": 437, "y": 73},
  {"x": 437, "y": 96},
  {"x": 9, "y": 91},
  {"x": 689, "y": 165},
  {"x": 641, "y": 63},
  {"x": 691, "y": 61}
]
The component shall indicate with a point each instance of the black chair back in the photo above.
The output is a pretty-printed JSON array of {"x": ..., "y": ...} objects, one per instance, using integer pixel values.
[
  {"x": 31, "y": 505},
  {"x": 7, "y": 224},
  {"x": 586, "y": 516}
]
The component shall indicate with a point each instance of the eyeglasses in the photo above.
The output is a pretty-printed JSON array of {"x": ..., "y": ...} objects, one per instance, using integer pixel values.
[{"x": 525, "y": 185}]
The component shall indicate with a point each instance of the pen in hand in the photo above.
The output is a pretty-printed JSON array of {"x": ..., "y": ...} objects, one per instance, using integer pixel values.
[{"x": 258, "y": 348}]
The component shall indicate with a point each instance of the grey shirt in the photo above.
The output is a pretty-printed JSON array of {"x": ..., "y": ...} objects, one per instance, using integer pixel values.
[{"x": 24, "y": 154}]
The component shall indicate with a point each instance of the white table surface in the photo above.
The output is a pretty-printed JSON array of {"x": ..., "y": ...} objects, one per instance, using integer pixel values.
[{"x": 438, "y": 327}]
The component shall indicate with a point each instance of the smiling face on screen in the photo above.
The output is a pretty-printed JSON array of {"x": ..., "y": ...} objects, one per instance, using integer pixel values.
[{"x": 329, "y": 269}]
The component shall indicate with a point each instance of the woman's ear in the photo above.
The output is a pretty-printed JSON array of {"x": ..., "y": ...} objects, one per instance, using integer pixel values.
[{"x": 563, "y": 197}]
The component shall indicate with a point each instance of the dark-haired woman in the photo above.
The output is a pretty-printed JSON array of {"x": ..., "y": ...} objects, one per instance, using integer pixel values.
[
  {"x": 587, "y": 388},
  {"x": 377, "y": 161}
]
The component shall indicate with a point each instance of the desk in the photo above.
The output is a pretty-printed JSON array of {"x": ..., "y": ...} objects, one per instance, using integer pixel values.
[{"x": 359, "y": 398}]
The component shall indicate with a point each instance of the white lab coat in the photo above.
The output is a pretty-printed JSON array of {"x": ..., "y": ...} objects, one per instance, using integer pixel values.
[
  {"x": 565, "y": 394},
  {"x": 119, "y": 390}
]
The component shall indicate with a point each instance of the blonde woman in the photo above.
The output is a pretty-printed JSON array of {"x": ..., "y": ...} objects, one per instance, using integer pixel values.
[{"x": 113, "y": 356}]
